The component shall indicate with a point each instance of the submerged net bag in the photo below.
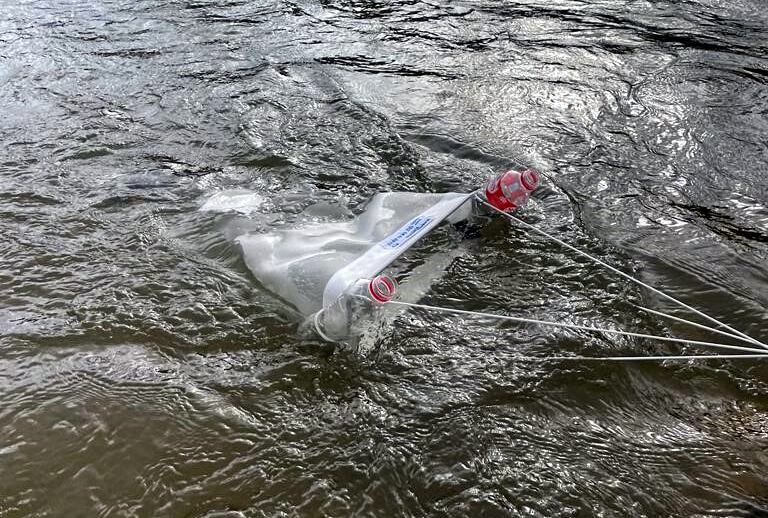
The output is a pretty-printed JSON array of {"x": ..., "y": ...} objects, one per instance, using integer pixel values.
[{"x": 312, "y": 266}]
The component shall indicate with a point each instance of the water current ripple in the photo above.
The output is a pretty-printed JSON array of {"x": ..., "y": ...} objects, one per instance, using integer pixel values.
[{"x": 145, "y": 372}]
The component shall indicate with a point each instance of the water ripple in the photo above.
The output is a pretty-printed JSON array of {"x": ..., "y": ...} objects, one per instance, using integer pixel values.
[{"x": 144, "y": 372}]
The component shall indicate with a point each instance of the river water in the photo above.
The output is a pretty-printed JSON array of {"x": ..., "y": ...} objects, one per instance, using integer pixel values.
[{"x": 145, "y": 372}]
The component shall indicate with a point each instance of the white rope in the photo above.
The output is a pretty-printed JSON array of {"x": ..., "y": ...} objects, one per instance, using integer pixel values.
[
  {"x": 645, "y": 358},
  {"x": 690, "y": 323},
  {"x": 573, "y": 326},
  {"x": 619, "y": 272}
]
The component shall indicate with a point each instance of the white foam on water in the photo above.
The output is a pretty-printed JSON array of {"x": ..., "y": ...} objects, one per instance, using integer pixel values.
[{"x": 235, "y": 200}]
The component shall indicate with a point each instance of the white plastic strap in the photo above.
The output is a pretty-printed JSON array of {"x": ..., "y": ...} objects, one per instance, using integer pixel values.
[{"x": 382, "y": 254}]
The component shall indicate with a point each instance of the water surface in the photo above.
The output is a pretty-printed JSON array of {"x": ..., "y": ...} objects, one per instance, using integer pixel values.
[{"x": 144, "y": 372}]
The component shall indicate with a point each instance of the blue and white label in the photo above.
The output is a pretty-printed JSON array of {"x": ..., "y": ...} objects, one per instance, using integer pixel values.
[{"x": 406, "y": 232}]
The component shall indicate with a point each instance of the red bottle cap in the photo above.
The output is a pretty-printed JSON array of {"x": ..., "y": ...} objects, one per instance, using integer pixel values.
[
  {"x": 382, "y": 288},
  {"x": 530, "y": 179}
]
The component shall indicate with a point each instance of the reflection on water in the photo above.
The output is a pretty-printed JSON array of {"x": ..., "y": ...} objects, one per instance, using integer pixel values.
[{"x": 145, "y": 372}]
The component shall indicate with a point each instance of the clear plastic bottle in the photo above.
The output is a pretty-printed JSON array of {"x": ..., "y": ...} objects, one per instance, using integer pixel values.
[
  {"x": 356, "y": 306},
  {"x": 511, "y": 190}
]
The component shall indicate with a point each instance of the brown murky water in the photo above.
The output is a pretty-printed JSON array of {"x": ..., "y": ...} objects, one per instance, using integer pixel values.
[{"x": 144, "y": 372}]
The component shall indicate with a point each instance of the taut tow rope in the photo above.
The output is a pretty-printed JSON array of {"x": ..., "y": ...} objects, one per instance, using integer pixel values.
[
  {"x": 622, "y": 274},
  {"x": 576, "y": 326},
  {"x": 752, "y": 352}
]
